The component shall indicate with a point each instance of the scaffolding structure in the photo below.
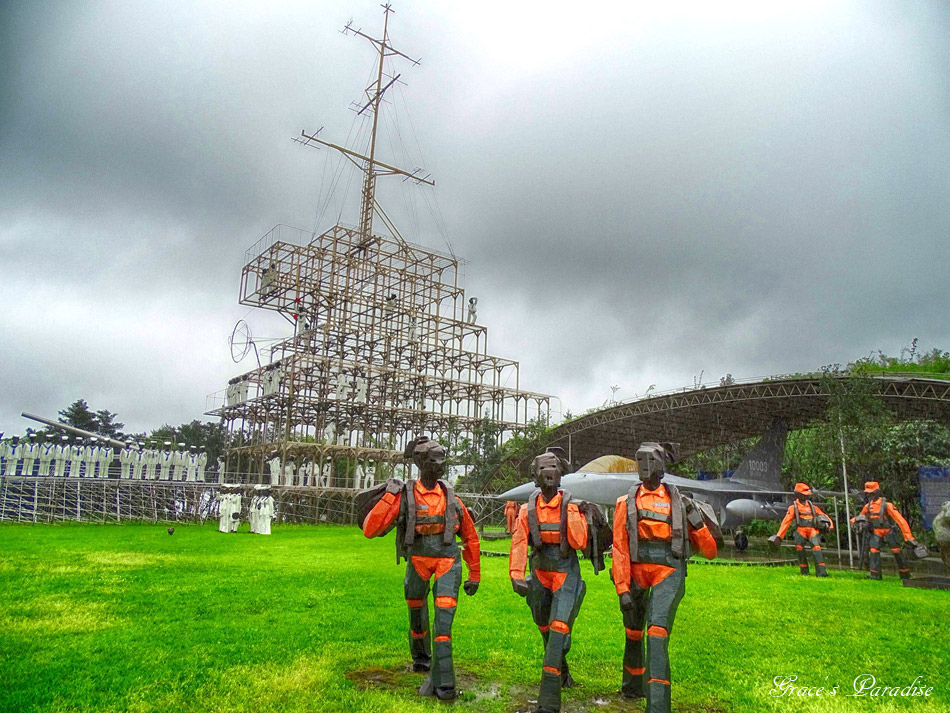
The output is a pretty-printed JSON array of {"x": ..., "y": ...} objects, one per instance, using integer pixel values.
[
  {"x": 385, "y": 346},
  {"x": 36, "y": 500}
]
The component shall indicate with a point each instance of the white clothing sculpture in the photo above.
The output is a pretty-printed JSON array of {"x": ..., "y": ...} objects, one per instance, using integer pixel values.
[
  {"x": 74, "y": 461},
  {"x": 326, "y": 473},
  {"x": 305, "y": 474},
  {"x": 149, "y": 462},
  {"x": 28, "y": 452},
  {"x": 472, "y": 309},
  {"x": 62, "y": 457},
  {"x": 275, "y": 470},
  {"x": 46, "y": 453},
  {"x": 235, "y": 510},
  {"x": 87, "y": 461},
  {"x": 202, "y": 464},
  {"x": 165, "y": 460},
  {"x": 358, "y": 477},
  {"x": 225, "y": 505},
  {"x": 262, "y": 510},
  {"x": 220, "y": 466},
  {"x": 138, "y": 464},
  {"x": 191, "y": 467},
  {"x": 106, "y": 456},
  {"x": 370, "y": 479},
  {"x": 6, "y": 449},
  {"x": 289, "y": 469}
]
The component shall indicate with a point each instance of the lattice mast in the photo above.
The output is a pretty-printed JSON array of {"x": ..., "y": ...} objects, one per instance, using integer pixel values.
[
  {"x": 381, "y": 349},
  {"x": 371, "y": 167}
]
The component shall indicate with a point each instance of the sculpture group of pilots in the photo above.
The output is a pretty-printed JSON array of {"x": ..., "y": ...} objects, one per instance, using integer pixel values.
[
  {"x": 32, "y": 458},
  {"x": 655, "y": 529}
]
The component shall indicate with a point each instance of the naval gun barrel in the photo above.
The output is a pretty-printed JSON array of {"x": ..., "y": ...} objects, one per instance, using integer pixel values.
[{"x": 77, "y": 431}]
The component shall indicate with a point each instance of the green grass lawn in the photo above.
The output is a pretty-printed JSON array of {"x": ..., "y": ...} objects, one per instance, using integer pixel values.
[{"x": 126, "y": 618}]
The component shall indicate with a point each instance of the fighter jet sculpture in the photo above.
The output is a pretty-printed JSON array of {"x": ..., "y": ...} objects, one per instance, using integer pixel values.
[{"x": 754, "y": 490}]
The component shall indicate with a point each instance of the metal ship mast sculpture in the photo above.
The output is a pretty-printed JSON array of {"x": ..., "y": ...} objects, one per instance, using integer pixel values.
[{"x": 382, "y": 348}]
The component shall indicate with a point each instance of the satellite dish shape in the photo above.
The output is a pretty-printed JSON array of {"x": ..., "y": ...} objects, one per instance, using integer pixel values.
[{"x": 242, "y": 342}]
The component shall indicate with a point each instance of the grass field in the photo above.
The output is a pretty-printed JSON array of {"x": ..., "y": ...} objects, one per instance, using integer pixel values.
[{"x": 126, "y": 618}]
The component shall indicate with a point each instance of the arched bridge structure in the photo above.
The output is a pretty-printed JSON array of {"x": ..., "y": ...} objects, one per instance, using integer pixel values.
[{"x": 700, "y": 419}]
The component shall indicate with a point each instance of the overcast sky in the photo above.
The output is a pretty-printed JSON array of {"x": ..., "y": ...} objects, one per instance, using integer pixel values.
[{"x": 644, "y": 193}]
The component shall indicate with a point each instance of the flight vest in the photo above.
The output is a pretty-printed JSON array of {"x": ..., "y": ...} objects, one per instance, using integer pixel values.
[
  {"x": 448, "y": 520},
  {"x": 680, "y": 535},
  {"x": 879, "y": 520},
  {"x": 535, "y": 528},
  {"x": 798, "y": 518}
]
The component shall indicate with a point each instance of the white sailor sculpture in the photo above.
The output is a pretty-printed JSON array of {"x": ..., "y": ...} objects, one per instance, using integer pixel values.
[
  {"x": 263, "y": 506},
  {"x": 165, "y": 461}
]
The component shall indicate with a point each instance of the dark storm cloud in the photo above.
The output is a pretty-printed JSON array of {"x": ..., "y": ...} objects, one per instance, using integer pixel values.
[{"x": 643, "y": 195}]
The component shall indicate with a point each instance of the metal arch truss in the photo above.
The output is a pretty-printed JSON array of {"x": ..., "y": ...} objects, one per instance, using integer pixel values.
[{"x": 707, "y": 417}]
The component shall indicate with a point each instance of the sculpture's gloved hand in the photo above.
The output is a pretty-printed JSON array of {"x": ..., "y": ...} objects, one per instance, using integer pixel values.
[
  {"x": 470, "y": 587},
  {"x": 626, "y": 601},
  {"x": 775, "y": 541},
  {"x": 521, "y": 587},
  {"x": 393, "y": 486},
  {"x": 913, "y": 543}
]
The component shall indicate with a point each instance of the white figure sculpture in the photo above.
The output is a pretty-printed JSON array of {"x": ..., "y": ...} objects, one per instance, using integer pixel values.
[
  {"x": 179, "y": 462},
  {"x": 306, "y": 473},
  {"x": 289, "y": 469},
  {"x": 62, "y": 452},
  {"x": 165, "y": 460},
  {"x": 150, "y": 460},
  {"x": 265, "y": 509},
  {"x": 106, "y": 456},
  {"x": 138, "y": 463},
  {"x": 326, "y": 473},
  {"x": 472, "y": 309},
  {"x": 220, "y": 466},
  {"x": 252, "y": 511},
  {"x": 358, "y": 477},
  {"x": 370, "y": 479},
  {"x": 223, "y": 498},
  {"x": 231, "y": 394},
  {"x": 330, "y": 432},
  {"x": 235, "y": 509},
  {"x": 88, "y": 461},
  {"x": 202, "y": 464},
  {"x": 28, "y": 452},
  {"x": 275, "y": 470},
  {"x": 44, "y": 454},
  {"x": 361, "y": 389},
  {"x": 74, "y": 461},
  {"x": 191, "y": 465},
  {"x": 4, "y": 454}
]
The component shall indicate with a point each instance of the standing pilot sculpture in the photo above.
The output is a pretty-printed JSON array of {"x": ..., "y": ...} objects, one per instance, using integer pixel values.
[
  {"x": 653, "y": 528},
  {"x": 555, "y": 528},
  {"x": 428, "y": 517},
  {"x": 882, "y": 518},
  {"x": 810, "y": 521}
]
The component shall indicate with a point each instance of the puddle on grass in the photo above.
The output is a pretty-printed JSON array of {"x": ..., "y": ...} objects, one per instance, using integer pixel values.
[
  {"x": 523, "y": 699},
  {"x": 401, "y": 678}
]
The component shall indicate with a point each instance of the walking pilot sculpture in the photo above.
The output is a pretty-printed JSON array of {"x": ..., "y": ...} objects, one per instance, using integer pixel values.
[
  {"x": 653, "y": 528},
  {"x": 555, "y": 528},
  {"x": 810, "y": 521},
  {"x": 428, "y": 517}
]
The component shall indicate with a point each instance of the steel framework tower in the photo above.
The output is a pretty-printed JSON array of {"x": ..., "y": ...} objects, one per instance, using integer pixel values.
[{"x": 382, "y": 348}]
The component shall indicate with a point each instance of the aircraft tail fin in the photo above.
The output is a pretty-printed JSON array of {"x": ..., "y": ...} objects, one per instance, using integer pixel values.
[{"x": 763, "y": 465}]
